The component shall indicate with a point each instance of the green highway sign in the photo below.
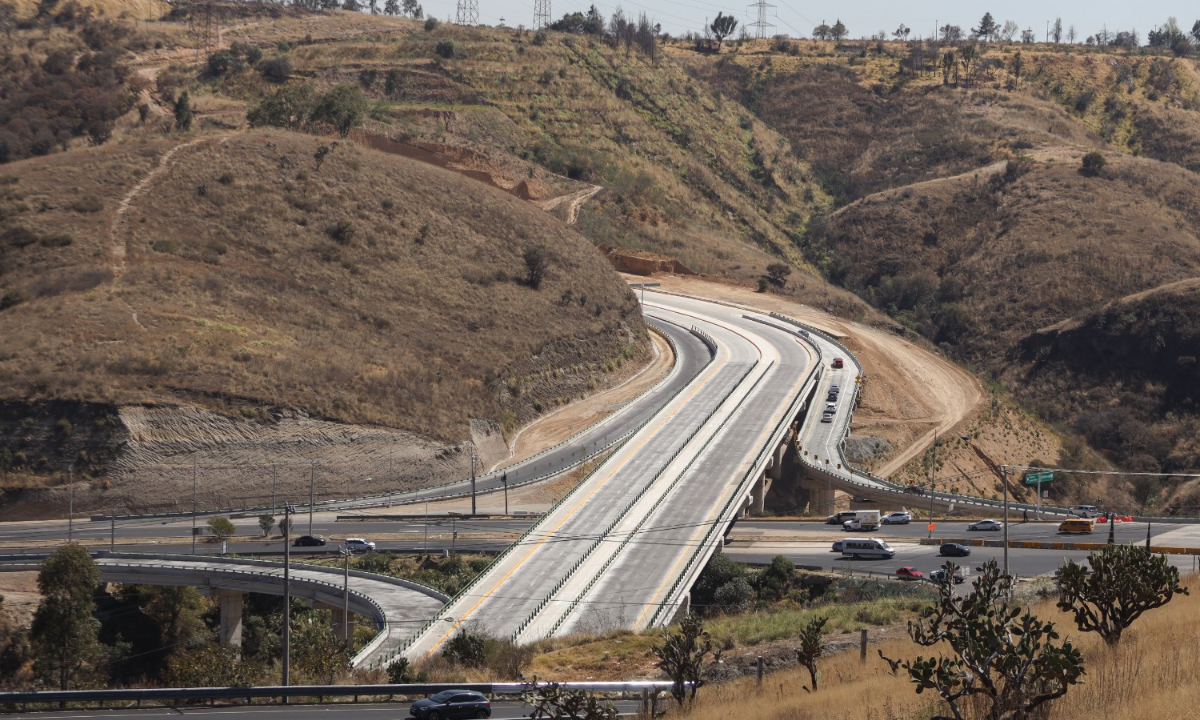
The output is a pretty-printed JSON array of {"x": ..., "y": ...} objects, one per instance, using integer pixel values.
[{"x": 1035, "y": 478}]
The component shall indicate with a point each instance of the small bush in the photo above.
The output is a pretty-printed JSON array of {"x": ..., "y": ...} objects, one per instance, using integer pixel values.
[
  {"x": 222, "y": 63},
  {"x": 446, "y": 49},
  {"x": 341, "y": 232},
  {"x": 466, "y": 648},
  {"x": 283, "y": 47},
  {"x": 163, "y": 246},
  {"x": 277, "y": 69},
  {"x": 540, "y": 37},
  {"x": 1093, "y": 164},
  {"x": 57, "y": 241},
  {"x": 431, "y": 24},
  {"x": 226, "y": 178},
  {"x": 11, "y": 298}
]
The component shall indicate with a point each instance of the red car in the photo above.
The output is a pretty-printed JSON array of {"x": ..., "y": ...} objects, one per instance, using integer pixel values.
[
  {"x": 909, "y": 573},
  {"x": 837, "y": 362}
]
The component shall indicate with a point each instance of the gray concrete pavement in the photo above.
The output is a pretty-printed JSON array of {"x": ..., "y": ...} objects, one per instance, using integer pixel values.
[{"x": 501, "y": 710}]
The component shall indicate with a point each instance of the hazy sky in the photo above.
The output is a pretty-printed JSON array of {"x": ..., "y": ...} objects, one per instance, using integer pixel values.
[{"x": 863, "y": 18}]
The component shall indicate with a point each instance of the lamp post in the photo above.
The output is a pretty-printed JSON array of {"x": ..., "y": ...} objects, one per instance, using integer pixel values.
[
  {"x": 505, "y": 479},
  {"x": 472, "y": 479},
  {"x": 287, "y": 594}
]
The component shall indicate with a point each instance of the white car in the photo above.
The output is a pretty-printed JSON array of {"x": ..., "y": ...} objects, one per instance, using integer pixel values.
[
  {"x": 900, "y": 517},
  {"x": 986, "y": 525},
  {"x": 358, "y": 544},
  {"x": 1084, "y": 511},
  {"x": 827, "y": 417}
]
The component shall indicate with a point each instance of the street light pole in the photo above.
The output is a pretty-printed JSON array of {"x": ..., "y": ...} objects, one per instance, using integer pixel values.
[
  {"x": 932, "y": 476},
  {"x": 312, "y": 487},
  {"x": 287, "y": 595},
  {"x": 194, "y": 486},
  {"x": 505, "y": 479},
  {"x": 346, "y": 597},
  {"x": 472, "y": 479},
  {"x": 70, "y": 503},
  {"x": 1004, "y": 482}
]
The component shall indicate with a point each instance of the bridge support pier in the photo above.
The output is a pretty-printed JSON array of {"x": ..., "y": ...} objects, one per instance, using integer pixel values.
[
  {"x": 339, "y": 619},
  {"x": 231, "y": 617}
]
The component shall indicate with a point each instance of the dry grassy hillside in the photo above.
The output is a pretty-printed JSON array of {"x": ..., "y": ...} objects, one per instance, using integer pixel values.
[
  {"x": 249, "y": 275},
  {"x": 684, "y": 171}
]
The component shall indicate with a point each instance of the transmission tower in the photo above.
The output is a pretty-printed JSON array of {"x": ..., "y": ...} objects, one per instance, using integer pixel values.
[
  {"x": 203, "y": 27},
  {"x": 541, "y": 14},
  {"x": 468, "y": 12},
  {"x": 761, "y": 25}
]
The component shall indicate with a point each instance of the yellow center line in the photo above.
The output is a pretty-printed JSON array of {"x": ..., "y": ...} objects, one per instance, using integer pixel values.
[
  {"x": 599, "y": 485},
  {"x": 703, "y": 526}
]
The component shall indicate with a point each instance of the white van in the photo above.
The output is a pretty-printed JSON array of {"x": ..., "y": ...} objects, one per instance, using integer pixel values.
[
  {"x": 863, "y": 520},
  {"x": 867, "y": 548}
]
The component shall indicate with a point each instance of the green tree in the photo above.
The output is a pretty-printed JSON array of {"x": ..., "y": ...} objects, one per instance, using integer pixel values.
[
  {"x": 341, "y": 107},
  {"x": 391, "y": 7},
  {"x": 1093, "y": 164},
  {"x": 222, "y": 527},
  {"x": 681, "y": 658},
  {"x": 1126, "y": 581},
  {"x": 779, "y": 272},
  {"x": 1002, "y": 664},
  {"x": 183, "y": 112},
  {"x": 446, "y": 48},
  {"x": 65, "y": 632},
  {"x": 289, "y": 108},
  {"x": 1196, "y": 31},
  {"x": 210, "y": 666},
  {"x": 968, "y": 56},
  {"x": 722, "y": 28},
  {"x": 266, "y": 521},
  {"x": 987, "y": 28},
  {"x": 176, "y": 610},
  {"x": 812, "y": 645},
  {"x": 776, "y": 579},
  {"x": 316, "y": 652},
  {"x": 1056, "y": 31},
  {"x": 838, "y": 31},
  {"x": 536, "y": 265}
]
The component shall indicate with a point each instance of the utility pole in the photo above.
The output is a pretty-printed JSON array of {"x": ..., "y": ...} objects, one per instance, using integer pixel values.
[
  {"x": 932, "y": 477},
  {"x": 504, "y": 478},
  {"x": 1004, "y": 479},
  {"x": 468, "y": 12},
  {"x": 426, "y": 543},
  {"x": 274, "y": 483},
  {"x": 472, "y": 479},
  {"x": 287, "y": 595},
  {"x": 312, "y": 485},
  {"x": 194, "y": 487},
  {"x": 1147, "y": 537},
  {"x": 1112, "y": 530},
  {"x": 112, "y": 530},
  {"x": 346, "y": 597},
  {"x": 70, "y": 503},
  {"x": 541, "y": 14}
]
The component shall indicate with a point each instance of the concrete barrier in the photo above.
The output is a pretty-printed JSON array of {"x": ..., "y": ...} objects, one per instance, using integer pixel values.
[{"x": 1054, "y": 545}]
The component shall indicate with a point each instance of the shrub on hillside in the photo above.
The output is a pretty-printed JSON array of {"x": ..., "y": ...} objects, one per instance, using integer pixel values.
[
  {"x": 222, "y": 63},
  {"x": 1093, "y": 164},
  {"x": 431, "y": 24},
  {"x": 446, "y": 49},
  {"x": 277, "y": 69}
]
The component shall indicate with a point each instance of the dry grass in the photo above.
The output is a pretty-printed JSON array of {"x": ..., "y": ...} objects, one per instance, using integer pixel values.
[
  {"x": 1150, "y": 675},
  {"x": 371, "y": 289}
]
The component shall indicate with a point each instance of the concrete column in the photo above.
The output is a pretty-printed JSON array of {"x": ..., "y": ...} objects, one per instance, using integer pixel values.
[
  {"x": 231, "y": 617},
  {"x": 775, "y": 469},
  {"x": 758, "y": 494},
  {"x": 338, "y": 619}
]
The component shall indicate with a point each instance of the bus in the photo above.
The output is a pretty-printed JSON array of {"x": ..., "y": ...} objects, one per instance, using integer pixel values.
[
  {"x": 1077, "y": 525},
  {"x": 867, "y": 548}
]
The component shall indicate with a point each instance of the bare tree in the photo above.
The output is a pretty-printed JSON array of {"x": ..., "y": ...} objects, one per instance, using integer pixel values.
[
  {"x": 1009, "y": 31},
  {"x": 1056, "y": 31}
]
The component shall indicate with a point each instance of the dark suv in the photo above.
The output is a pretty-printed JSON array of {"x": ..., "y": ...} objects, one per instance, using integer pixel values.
[
  {"x": 309, "y": 541},
  {"x": 840, "y": 518},
  {"x": 451, "y": 705}
]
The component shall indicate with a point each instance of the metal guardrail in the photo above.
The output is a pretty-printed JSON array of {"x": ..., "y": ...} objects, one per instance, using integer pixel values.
[
  {"x": 887, "y": 485},
  {"x": 175, "y": 696}
]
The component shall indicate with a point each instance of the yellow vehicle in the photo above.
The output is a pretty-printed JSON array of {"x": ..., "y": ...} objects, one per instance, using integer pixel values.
[{"x": 1077, "y": 525}]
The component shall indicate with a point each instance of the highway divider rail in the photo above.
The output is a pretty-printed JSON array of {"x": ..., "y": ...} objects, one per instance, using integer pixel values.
[{"x": 51, "y": 699}]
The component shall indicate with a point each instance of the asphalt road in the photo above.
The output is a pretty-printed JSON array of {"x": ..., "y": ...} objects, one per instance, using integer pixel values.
[{"x": 501, "y": 710}]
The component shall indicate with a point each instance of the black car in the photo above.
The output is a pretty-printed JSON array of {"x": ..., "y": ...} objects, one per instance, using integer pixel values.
[
  {"x": 954, "y": 550},
  {"x": 309, "y": 541},
  {"x": 452, "y": 704}
]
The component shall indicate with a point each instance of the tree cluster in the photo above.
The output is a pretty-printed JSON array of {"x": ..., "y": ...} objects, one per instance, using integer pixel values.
[
  {"x": 299, "y": 107},
  {"x": 836, "y": 31},
  {"x": 78, "y": 90}
]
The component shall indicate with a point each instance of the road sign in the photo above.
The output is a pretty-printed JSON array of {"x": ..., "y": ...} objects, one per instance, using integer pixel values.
[
  {"x": 932, "y": 527},
  {"x": 1035, "y": 478}
]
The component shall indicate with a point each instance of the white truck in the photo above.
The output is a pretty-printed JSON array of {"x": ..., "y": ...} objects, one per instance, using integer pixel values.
[{"x": 863, "y": 520}]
